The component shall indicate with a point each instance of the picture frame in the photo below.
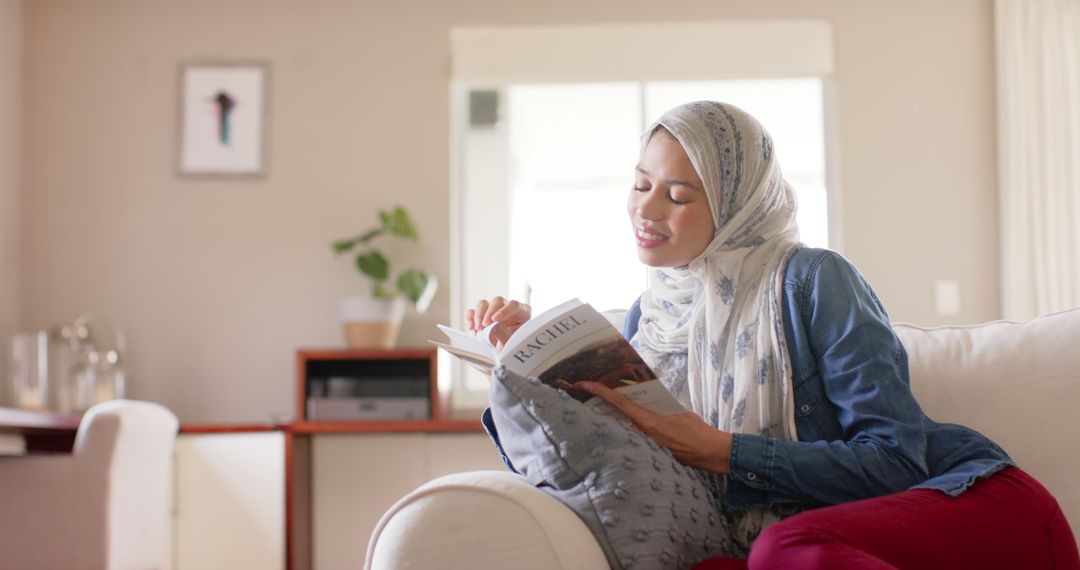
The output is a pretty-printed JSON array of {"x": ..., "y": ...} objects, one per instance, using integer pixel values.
[{"x": 223, "y": 119}]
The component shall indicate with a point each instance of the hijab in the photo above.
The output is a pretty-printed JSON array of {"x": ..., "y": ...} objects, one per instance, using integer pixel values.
[{"x": 713, "y": 330}]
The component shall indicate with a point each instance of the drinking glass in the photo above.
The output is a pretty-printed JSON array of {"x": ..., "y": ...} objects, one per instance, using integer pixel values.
[{"x": 30, "y": 370}]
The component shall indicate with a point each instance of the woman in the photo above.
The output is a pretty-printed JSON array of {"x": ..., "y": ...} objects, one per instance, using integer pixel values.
[{"x": 796, "y": 384}]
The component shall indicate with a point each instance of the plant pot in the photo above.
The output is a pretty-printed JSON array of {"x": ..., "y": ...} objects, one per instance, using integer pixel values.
[{"x": 371, "y": 323}]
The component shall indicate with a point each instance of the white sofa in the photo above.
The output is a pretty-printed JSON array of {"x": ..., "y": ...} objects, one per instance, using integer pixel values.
[{"x": 1018, "y": 383}]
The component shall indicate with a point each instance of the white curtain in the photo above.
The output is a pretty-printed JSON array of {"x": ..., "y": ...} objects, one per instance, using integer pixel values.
[{"x": 1038, "y": 74}]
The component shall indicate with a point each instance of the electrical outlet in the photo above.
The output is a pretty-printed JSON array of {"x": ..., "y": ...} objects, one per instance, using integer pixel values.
[{"x": 947, "y": 297}]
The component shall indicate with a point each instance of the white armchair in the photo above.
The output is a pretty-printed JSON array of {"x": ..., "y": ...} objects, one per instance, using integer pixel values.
[{"x": 103, "y": 507}]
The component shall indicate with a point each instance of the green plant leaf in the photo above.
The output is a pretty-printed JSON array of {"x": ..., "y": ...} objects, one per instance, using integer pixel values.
[
  {"x": 412, "y": 284},
  {"x": 369, "y": 235},
  {"x": 373, "y": 264},
  {"x": 398, "y": 223},
  {"x": 342, "y": 245}
]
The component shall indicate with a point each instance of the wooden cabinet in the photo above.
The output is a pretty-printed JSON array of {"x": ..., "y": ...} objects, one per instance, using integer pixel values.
[
  {"x": 26, "y": 431},
  {"x": 357, "y": 477},
  {"x": 307, "y": 494},
  {"x": 230, "y": 492}
]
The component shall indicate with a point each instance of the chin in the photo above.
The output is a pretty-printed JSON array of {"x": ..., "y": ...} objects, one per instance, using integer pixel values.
[
  {"x": 655, "y": 261},
  {"x": 664, "y": 256}
]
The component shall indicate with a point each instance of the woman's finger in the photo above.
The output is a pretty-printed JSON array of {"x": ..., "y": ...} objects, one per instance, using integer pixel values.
[
  {"x": 497, "y": 309},
  {"x": 496, "y": 304},
  {"x": 637, "y": 414},
  {"x": 513, "y": 312},
  {"x": 508, "y": 310},
  {"x": 478, "y": 316}
]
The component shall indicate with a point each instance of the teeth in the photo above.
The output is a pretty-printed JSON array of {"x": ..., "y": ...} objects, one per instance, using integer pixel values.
[{"x": 648, "y": 236}]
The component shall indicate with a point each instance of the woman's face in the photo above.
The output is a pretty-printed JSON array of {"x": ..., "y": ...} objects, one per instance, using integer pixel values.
[{"x": 668, "y": 205}]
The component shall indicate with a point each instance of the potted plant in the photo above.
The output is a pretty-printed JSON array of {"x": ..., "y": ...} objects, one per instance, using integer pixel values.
[{"x": 374, "y": 320}]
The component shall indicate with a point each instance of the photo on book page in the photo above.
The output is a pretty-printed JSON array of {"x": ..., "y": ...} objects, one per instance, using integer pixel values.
[{"x": 606, "y": 360}]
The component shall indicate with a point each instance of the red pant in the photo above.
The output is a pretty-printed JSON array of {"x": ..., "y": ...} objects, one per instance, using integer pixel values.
[{"x": 1006, "y": 521}]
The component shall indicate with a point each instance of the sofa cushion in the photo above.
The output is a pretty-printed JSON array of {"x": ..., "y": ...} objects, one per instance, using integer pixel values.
[
  {"x": 1017, "y": 383},
  {"x": 645, "y": 509}
]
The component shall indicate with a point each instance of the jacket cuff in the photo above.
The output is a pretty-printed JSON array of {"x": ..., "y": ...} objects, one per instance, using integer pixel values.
[{"x": 751, "y": 461}]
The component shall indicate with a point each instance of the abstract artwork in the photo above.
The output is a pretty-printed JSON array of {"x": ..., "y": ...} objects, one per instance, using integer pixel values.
[{"x": 223, "y": 119}]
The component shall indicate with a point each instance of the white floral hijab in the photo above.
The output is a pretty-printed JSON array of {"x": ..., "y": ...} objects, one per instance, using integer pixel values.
[{"x": 713, "y": 330}]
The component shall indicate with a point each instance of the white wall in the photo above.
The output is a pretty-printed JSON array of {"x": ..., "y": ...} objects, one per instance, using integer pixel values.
[
  {"x": 218, "y": 283},
  {"x": 11, "y": 23}
]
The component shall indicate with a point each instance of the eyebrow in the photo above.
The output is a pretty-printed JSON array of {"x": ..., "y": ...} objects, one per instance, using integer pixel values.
[{"x": 674, "y": 181}]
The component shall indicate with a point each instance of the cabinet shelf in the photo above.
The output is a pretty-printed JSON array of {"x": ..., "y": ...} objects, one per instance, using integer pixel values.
[{"x": 378, "y": 370}]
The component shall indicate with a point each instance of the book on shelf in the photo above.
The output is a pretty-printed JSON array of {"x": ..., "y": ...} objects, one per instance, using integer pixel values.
[{"x": 570, "y": 343}]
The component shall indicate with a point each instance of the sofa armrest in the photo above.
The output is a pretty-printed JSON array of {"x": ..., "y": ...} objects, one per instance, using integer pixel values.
[{"x": 482, "y": 520}]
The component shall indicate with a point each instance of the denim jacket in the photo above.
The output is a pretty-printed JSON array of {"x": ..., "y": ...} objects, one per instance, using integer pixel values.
[{"x": 861, "y": 432}]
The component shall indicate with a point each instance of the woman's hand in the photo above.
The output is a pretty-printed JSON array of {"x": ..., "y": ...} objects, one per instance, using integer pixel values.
[
  {"x": 692, "y": 441},
  {"x": 509, "y": 315}
]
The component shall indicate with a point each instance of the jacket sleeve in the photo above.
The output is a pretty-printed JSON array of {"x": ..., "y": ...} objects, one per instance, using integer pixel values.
[{"x": 862, "y": 371}]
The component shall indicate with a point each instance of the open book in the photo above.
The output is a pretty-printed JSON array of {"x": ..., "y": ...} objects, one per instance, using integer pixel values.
[{"x": 565, "y": 345}]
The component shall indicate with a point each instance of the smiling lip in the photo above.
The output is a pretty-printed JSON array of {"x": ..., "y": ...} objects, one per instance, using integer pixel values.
[{"x": 649, "y": 239}]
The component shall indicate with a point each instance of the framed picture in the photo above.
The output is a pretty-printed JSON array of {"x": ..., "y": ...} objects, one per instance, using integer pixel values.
[{"x": 223, "y": 119}]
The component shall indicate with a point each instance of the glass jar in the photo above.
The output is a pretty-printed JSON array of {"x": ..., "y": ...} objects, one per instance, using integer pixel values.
[{"x": 97, "y": 374}]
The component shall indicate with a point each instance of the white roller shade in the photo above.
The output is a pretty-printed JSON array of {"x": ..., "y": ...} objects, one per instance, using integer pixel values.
[{"x": 636, "y": 52}]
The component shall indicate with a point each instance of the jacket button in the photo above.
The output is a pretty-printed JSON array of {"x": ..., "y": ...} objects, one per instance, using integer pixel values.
[
  {"x": 751, "y": 476},
  {"x": 805, "y": 408}
]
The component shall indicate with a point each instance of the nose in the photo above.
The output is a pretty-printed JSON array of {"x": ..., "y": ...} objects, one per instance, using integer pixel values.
[{"x": 649, "y": 205}]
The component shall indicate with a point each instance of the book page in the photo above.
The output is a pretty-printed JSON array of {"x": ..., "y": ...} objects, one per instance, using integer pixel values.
[
  {"x": 465, "y": 343},
  {"x": 471, "y": 358}
]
